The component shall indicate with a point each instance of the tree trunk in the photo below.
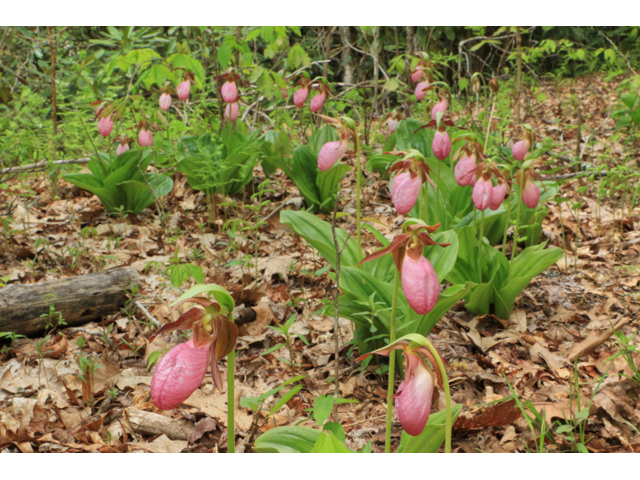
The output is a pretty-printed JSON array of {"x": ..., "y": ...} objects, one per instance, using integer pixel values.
[
  {"x": 347, "y": 59},
  {"x": 24, "y": 309},
  {"x": 519, "y": 74}
]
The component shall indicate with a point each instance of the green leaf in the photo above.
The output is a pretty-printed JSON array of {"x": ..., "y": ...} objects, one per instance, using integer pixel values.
[
  {"x": 285, "y": 398},
  {"x": 328, "y": 443},
  {"x": 337, "y": 430},
  {"x": 287, "y": 440},
  {"x": 433, "y": 435},
  {"x": 221, "y": 295},
  {"x": 322, "y": 408}
]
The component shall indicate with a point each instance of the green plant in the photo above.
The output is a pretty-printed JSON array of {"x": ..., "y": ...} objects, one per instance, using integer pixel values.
[
  {"x": 318, "y": 189},
  {"x": 120, "y": 182},
  {"x": 284, "y": 331}
]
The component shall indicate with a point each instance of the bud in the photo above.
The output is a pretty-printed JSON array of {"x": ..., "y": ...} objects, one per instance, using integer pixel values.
[
  {"x": 145, "y": 138},
  {"x": 184, "y": 89},
  {"x": 475, "y": 85},
  {"x": 405, "y": 191},
  {"x": 493, "y": 84},
  {"x": 441, "y": 145},
  {"x": 300, "y": 96},
  {"x": 231, "y": 112},
  {"x": 165, "y": 101},
  {"x": 420, "y": 90},
  {"x": 105, "y": 126},
  {"x": 419, "y": 284},
  {"x": 284, "y": 93},
  {"x": 392, "y": 125},
  {"x": 316, "y": 103},
  {"x": 229, "y": 92},
  {"x": 331, "y": 152}
]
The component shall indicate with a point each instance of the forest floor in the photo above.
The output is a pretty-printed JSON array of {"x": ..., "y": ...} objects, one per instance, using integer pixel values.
[{"x": 563, "y": 318}]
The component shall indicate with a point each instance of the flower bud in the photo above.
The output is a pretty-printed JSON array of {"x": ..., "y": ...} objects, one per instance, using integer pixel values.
[
  {"x": 316, "y": 103},
  {"x": 145, "y": 138},
  {"x": 229, "y": 92},
  {"x": 417, "y": 75},
  {"x": 179, "y": 374},
  {"x": 184, "y": 89},
  {"x": 105, "y": 126},
  {"x": 420, "y": 90},
  {"x": 231, "y": 112},
  {"x": 419, "y": 284},
  {"x": 530, "y": 193},
  {"x": 441, "y": 145},
  {"x": 482, "y": 193},
  {"x": 331, "y": 152},
  {"x": 300, "y": 97},
  {"x": 405, "y": 191},
  {"x": 392, "y": 125},
  {"x": 284, "y": 93},
  {"x": 165, "y": 101},
  {"x": 475, "y": 85},
  {"x": 493, "y": 85},
  {"x": 464, "y": 171}
]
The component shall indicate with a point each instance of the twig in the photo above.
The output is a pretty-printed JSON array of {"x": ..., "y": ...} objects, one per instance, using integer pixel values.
[
  {"x": 147, "y": 314},
  {"x": 43, "y": 164},
  {"x": 619, "y": 53}
]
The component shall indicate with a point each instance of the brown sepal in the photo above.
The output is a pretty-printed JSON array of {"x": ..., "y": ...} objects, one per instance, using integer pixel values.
[{"x": 185, "y": 322}]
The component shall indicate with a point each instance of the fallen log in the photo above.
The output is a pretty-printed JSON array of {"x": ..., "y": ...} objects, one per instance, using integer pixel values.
[{"x": 24, "y": 309}]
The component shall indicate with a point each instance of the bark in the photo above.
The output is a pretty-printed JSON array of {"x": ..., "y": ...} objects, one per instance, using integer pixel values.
[
  {"x": 80, "y": 300},
  {"x": 347, "y": 58}
]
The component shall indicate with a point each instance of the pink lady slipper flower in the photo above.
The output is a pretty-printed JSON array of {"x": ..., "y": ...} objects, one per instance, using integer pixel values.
[
  {"x": 417, "y": 74},
  {"x": 498, "y": 195},
  {"x": 316, "y": 102},
  {"x": 123, "y": 145},
  {"x": 441, "y": 106},
  {"x": 145, "y": 138},
  {"x": 182, "y": 369},
  {"x": 165, "y": 101},
  {"x": 421, "y": 90},
  {"x": 405, "y": 187},
  {"x": 441, "y": 144},
  {"x": 392, "y": 125},
  {"x": 105, "y": 126},
  {"x": 530, "y": 192},
  {"x": 521, "y": 148},
  {"x": 300, "y": 97},
  {"x": 231, "y": 112},
  {"x": 415, "y": 392},
  {"x": 482, "y": 192},
  {"x": 465, "y": 170},
  {"x": 229, "y": 92},
  {"x": 404, "y": 191},
  {"x": 184, "y": 89},
  {"x": 331, "y": 152},
  {"x": 419, "y": 280}
]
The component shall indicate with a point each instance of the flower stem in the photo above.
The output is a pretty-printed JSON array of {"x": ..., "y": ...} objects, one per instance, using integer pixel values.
[
  {"x": 480, "y": 245},
  {"x": 515, "y": 234},
  {"x": 231, "y": 436},
  {"x": 438, "y": 191},
  {"x": 358, "y": 175},
  {"x": 425, "y": 202},
  {"x": 392, "y": 360},
  {"x": 506, "y": 225},
  {"x": 447, "y": 394}
]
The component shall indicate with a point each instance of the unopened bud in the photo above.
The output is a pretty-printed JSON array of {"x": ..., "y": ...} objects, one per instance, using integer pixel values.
[{"x": 493, "y": 84}]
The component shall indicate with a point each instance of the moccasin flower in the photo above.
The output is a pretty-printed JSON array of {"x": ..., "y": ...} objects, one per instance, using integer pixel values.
[{"x": 182, "y": 369}]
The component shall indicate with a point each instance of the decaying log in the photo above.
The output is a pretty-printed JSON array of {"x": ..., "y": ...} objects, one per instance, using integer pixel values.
[
  {"x": 80, "y": 299},
  {"x": 148, "y": 423}
]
